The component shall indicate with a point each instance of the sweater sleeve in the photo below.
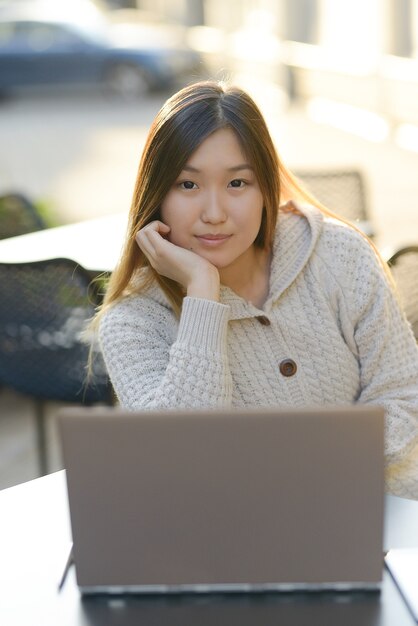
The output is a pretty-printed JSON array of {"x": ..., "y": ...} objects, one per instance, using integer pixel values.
[
  {"x": 388, "y": 362},
  {"x": 153, "y": 363}
]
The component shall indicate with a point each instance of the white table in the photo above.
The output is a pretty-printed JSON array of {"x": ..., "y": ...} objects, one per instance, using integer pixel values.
[
  {"x": 95, "y": 244},
  {"x": 34, "y": 541}
]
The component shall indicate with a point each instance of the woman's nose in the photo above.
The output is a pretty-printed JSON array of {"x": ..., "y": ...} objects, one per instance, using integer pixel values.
[{"x": 213, "y": 210}]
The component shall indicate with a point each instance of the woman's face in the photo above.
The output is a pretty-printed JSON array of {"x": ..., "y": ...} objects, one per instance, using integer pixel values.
[{"x": 215, "y": 206}]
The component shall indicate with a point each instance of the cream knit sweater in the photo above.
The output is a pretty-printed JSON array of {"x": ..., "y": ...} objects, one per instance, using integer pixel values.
[{"x": 329, "y": 309}]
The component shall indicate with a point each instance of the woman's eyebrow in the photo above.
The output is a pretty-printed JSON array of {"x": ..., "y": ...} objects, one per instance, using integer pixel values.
[
  {"x": 234, "y": 168},
  {"x": 243, "y": 166}
]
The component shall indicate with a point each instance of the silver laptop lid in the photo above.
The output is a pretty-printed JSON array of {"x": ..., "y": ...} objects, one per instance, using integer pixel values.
[{"x": 207, "y": 500}]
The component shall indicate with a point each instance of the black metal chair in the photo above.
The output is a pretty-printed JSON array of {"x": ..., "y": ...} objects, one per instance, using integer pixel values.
[
  {"x": 404, "y": 267},
  {"x": 44, "y": 307},
  {"x": 342, "y": 191},
  {"x": 18, "y": 216}
]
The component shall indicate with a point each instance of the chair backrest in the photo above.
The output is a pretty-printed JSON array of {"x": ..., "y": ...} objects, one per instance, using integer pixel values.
[
  {"x": 341, "y": 191},
  {"x": 404, "y": 267},
  {"x": 44, "y": 307},
  {"x": 18, "y": 216}
]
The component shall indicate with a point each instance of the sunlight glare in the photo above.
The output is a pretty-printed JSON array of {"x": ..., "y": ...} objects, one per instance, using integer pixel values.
[
  {"x": 406, "y": 137},
  {"x": 351, "y": 119}
]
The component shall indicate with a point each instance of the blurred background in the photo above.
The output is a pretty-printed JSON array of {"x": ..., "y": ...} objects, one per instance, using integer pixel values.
[{"x": 81, "y": 80}]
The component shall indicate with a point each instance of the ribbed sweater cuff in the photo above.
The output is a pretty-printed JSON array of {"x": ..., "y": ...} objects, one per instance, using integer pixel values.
[{"x": 203, "y": 323}]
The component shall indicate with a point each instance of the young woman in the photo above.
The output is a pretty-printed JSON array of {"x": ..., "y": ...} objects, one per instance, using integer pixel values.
[{"x": 237, "y": 288}]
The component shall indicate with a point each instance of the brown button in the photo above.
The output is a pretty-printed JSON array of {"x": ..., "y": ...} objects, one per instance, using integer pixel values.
[
  {"x": 263, "y": 320},
  {"x": 288, "y": 367}
]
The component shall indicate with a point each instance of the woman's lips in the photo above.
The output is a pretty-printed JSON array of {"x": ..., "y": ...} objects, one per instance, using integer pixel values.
[{"x": 212, "y": 240}]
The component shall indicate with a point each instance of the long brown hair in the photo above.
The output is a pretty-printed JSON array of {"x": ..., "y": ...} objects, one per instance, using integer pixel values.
[{"x": 183, "y": 123}]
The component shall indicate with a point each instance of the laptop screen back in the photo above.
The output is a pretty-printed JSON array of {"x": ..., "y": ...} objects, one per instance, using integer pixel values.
[{"x": 225, "y": 500}]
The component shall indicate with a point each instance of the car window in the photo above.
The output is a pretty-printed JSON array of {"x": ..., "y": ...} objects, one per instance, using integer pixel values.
[
  {"x": 7, "y": 34},
  {"x": 42, "y": 36}
]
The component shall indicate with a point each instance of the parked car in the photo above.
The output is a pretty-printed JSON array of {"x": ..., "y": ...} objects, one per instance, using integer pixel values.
[{"x": 44, "y": 43}]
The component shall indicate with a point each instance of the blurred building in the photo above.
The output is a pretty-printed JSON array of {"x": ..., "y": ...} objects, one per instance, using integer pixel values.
[
  {"x": 188, "y": 12},
  {"x": 361, "y": 52}
]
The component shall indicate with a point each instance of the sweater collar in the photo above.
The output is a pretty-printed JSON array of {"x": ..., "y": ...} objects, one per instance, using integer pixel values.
[{"x": 297, "y": 232}]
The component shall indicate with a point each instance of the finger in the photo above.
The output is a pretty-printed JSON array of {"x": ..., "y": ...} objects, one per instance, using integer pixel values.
[
  {"x": 157, "y": 226},
  {"x": 163, "y": 227},
  {"x": 160, "y": 228},
  {"x": 158, "y": 242},
  {"x": 145, "y": 244}
]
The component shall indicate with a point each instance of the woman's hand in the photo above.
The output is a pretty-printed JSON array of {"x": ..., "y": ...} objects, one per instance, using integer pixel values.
[{"x": 199, "y": 277}]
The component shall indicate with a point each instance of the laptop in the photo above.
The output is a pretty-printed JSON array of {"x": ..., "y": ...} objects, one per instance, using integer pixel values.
[{"x": 231, "y": 500}]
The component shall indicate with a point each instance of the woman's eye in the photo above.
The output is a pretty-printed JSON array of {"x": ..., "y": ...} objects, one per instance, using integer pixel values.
[
  {"x": 237, "y": 183},
  {"x": 188, "y": 184}
]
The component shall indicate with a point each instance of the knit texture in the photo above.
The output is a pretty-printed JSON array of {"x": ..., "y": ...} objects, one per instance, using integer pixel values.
[{"x": 331, "y": 311}]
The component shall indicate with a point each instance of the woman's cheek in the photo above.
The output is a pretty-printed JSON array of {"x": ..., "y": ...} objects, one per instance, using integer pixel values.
[{"x": 176, "y": 236}]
